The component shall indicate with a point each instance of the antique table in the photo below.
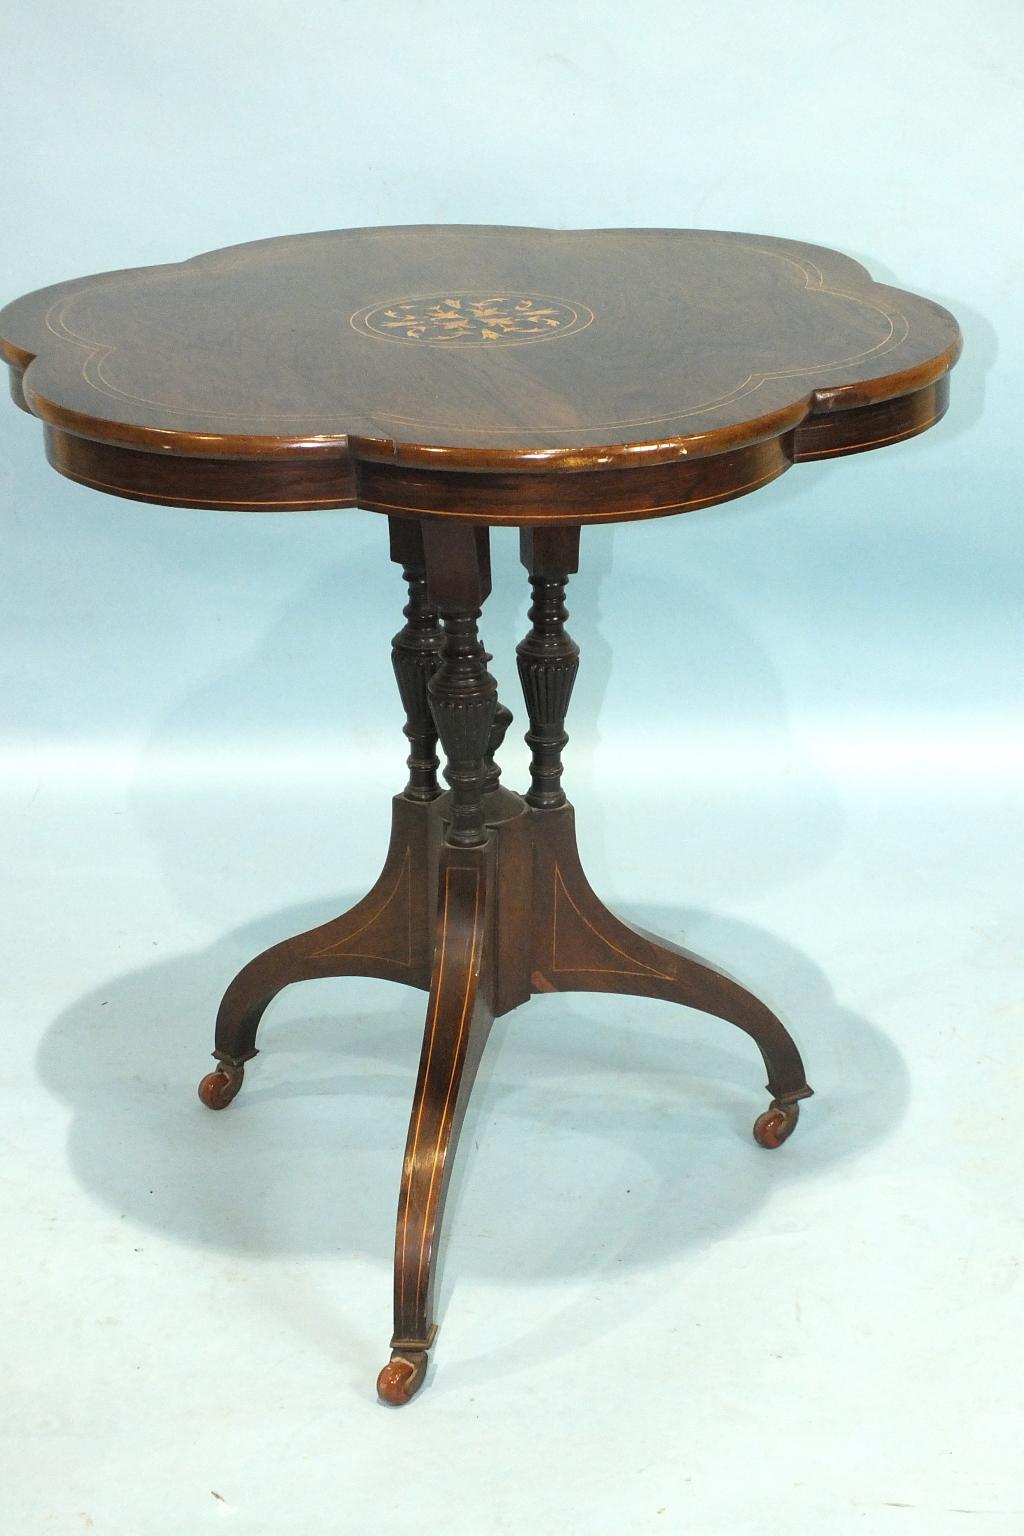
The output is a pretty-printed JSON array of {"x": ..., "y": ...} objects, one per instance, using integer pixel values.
[{"x": 453, "y": 378}]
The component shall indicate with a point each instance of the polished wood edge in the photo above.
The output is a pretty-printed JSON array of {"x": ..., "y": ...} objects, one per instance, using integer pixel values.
[
  {"x": 16, "y": 358},
  {"x": 23, "y": 326},
  {"x": 209, "y": 446},
  {"x": 597, "y": 495},
  {"x": 240, "y": 485},
  {"x": 873, "y": 426},
  {"x": 17, "y": 393}
]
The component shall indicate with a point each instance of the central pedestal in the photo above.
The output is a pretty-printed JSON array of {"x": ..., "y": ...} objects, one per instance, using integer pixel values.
[
  {"x": 482, "y": 929},
  {"x": 482, "y": 900}
]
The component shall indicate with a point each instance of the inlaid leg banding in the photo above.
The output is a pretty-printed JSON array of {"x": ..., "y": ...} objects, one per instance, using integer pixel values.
[{"x": 459, "y": 1016}]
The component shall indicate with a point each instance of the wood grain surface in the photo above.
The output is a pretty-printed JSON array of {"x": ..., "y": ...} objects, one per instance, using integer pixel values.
[{"x": 493, "y": 374}]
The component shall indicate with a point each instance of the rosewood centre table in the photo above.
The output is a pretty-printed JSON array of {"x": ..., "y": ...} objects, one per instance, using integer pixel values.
[{"x": 453, "y": 378}]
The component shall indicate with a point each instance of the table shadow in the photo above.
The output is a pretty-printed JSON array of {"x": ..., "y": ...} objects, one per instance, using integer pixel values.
[{"x": 604, "y": 1135}]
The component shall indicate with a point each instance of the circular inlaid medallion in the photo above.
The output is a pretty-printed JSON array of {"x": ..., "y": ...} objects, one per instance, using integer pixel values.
[{"x": 472, "y": 319}]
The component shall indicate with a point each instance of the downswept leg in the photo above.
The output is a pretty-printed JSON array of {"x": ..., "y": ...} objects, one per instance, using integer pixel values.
[
  {"x": 387, "y": 933},
  {"x": 580, "y": 946},
  {"x": 459, "y": 1017}
]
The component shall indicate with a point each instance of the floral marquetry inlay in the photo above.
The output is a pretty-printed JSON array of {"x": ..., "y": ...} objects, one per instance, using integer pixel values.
[{"x": 473, "y": 319}]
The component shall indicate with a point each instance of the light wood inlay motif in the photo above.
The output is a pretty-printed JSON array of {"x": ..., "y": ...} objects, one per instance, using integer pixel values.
[
  {"x": 459, "y": 880},
  {"x": 473, "y": 319}
]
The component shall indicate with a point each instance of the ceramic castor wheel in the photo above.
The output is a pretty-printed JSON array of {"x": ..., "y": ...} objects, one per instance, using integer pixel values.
[
  {"x": 217, "y": 1089},
  {"x": 776, "y": 1124}
]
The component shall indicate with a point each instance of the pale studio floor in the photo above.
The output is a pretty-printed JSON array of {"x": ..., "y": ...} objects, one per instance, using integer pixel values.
[{"x": 648, "y": 1323}]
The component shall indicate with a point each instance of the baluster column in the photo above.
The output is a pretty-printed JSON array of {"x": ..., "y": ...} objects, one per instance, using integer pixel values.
[
  {"x": 548, "y": 657},
  {"x": 463, "y": 694},
  {"x": 415, "y": 654}
]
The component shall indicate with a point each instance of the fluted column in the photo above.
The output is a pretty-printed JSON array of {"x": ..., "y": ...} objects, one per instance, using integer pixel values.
[
  {"x": 548, "y": 657},
  {"x": 415, "y": 654},
  {"x": 463, "y": 694}
]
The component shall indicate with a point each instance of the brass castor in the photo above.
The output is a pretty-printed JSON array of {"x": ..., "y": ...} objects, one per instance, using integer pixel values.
[
  {"x": 776, "y": 1124},
  {"x": 217, "y": 1089},
  {"x": 402, "y": 1377}
]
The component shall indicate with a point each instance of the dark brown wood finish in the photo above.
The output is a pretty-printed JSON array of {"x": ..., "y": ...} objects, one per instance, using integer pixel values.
[
  {"x": 515, "y": 914},
  {"x": 500, "y": 375},
  {"x": 453, "y": 378},
  {"x": 463, "y": 694},
  {"x": 548, "y": 657},
  {"x": 416, "y": 656}
]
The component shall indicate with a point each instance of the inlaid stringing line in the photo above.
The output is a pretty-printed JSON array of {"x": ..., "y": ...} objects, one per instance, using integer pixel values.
[
  {"x": 211, "y": 501},
  {"x": 92, "y": 369},
  {"x": 467, "y": 1000},
  {"x": 596, "y": 970},
  {"x": 340, "y": 947},
  {"x": 438, "y": 996},
  {"x": 879, "y": 442},
  {"x": 592, "y": 516}
]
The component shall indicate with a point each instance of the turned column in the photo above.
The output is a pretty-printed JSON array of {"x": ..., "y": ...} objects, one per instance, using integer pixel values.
[
  {"x": 499, "y": 729},
  {"x": 415, "y": 654},
  {"x": 463, "y": 694},
  {"x": 548, "y": 657}
]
